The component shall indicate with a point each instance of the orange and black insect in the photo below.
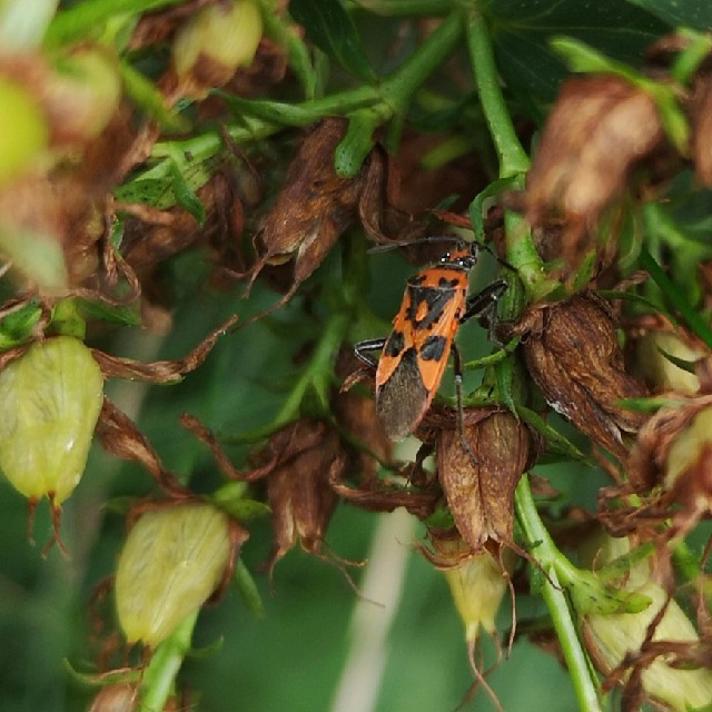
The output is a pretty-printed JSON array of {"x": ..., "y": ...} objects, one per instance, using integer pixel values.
[{"x": 414, "y": 357}]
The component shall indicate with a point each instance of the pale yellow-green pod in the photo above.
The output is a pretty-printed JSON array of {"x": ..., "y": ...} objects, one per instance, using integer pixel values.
[
  {"x": 173, "y": 560},
  {"x": 224, "y": 35},
  {"x": 478, "y": 585},
  {"x": 51, "y": 398}
]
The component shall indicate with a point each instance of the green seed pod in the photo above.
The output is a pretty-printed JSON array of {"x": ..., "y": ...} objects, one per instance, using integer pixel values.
[
  {"x": 610, "y": 637},
  {"x": 51, "y": 398},
  {"x": 659, "y": 370},
  {"x": 477, "y": 586},
  {"x": 173, "y": 560},
  {"x": 23, "y": 129},
  {"x": 216, "y": 41}
]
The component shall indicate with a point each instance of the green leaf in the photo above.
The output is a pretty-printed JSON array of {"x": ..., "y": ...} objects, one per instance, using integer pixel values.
[
  {"x": 477, "y": 206},
  {"x": 102, "y": 679},
  {"x": 650, "y": 405},
  {"x": 331, "y": 28},
  {"x": 554, "y": 439},
  {"x": 248, "y": 590},
  {"x": 185, "y": 196},
  {"x": 123, "y": 314},
  {"x": 245, "y": 510},
  {"x": 522, "y": 30},
  {"x": 88, "y": 17},
  {"x": 17, "y": 327},
  {"x": 689, "y": 13},
  {"x": 682, "y": 363}
]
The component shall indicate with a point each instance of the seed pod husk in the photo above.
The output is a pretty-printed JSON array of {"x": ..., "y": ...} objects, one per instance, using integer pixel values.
[
  {"x": 300, "y": 495},
  {"x": 573, "y": 355},
  {"x": 51, "y": 397},
  {"x": 599, "y": 128},
  {"x": 173, "y": 559},
  {"x": 480, "y": 491},
  {"x": 609, "y": 638},
  {"x": 121, "y": 697}
]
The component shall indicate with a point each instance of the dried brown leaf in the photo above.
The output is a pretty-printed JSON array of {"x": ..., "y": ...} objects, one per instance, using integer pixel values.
[{"x": 161, "y": 371}]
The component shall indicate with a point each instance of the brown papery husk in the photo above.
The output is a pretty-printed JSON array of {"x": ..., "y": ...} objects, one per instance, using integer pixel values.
[
  {"x": 600, "y": 127},
  {"x": 572, "y": 353},
  {"x": 480, "y": 493}
]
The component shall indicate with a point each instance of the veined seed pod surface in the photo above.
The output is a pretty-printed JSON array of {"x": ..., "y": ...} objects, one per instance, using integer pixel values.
[
  {"x": 172, "y": 561},
  {"x": 51, "y": 400}
]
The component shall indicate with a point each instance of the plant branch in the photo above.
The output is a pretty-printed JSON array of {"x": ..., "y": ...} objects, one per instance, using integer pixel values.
[
  {"x": 553, "y": 563},
  {"x": 513, "y": 160},
  {"x": 159, "y": 677}
]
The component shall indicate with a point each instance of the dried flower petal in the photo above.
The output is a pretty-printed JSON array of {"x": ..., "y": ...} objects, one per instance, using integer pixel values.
[{"x": 702, "y": 123}]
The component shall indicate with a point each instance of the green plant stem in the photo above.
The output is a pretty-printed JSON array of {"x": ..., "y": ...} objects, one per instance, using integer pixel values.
[
  {"x": 398, "y": 88},
  {"x": 544, "y": 551},
  {"x": 513, "y": 160},
  {"x": 159, "y": 677},
  {"x": 284, "y": 34}
]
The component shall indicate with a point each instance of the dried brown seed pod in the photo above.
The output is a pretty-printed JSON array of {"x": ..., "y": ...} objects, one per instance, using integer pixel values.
[
  {"x": 480, "y": 491},
  {"x": 315, "y": 206},
  {"x": 573, "y": 355},
  {"x": 599, "y": 128},
  {"x": 702, "y": 125}
]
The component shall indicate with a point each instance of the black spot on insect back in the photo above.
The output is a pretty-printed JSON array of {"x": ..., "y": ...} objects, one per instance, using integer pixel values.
[
  {"x": 395, "y": 344},
  {"x": 433, "y": 348}
]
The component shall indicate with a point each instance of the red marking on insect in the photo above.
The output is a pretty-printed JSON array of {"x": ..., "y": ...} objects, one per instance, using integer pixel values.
[{"x": 414, "y": 357}]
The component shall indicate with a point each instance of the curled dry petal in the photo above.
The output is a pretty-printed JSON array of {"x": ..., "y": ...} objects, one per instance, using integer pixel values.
[
  {"x": 599, "y": 128},
  {"x": 161, "y": 371},
  {"x": 573, "y": 355},
  {"x": 480, "y": 491},
  {"x": 120, "y": 436}
]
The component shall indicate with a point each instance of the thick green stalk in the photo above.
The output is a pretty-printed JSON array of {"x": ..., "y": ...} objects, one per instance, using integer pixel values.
[
  {"x": 513, "y": 160},
  {"x": 544, "y": 551},
  {"x": 159, "y": 678},
  {"x": 398, "y": 88}
]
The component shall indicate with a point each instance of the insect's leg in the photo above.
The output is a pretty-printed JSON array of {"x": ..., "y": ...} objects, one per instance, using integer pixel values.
[
  {"x": 362, "y": 348},
  {"x": 457, "y": 368},
  {"x": 483, "y": 306}
]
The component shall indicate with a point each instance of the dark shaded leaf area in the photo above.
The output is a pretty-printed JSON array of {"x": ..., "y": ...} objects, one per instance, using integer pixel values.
[{"x": 355, "y": 355}]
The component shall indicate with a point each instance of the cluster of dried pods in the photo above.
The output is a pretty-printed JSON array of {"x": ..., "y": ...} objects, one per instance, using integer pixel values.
[{"x": 181, "y": 548}]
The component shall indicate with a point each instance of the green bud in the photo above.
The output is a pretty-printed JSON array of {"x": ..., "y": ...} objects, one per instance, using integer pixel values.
[
  {"x": 51, "y": 398},
  {"x": 23, "y": 129},
  {"x": 173, "y": 560},
  {"x": 216, "y": 41}
]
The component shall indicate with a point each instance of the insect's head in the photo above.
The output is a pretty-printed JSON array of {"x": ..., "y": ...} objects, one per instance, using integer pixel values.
[{"x": 463, "y": 254}]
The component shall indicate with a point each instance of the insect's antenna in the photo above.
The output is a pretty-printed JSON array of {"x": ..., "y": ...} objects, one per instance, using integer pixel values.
[
  {"x": 408, "y": 243},
  {"x": 484, "y": 246}
]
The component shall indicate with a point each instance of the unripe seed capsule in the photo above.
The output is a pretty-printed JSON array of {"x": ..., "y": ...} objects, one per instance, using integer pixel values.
[
  {"x": 172, "y": 561},
  {"x": 51, "y": 398},
  {"x": 216, "y": 41}
]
